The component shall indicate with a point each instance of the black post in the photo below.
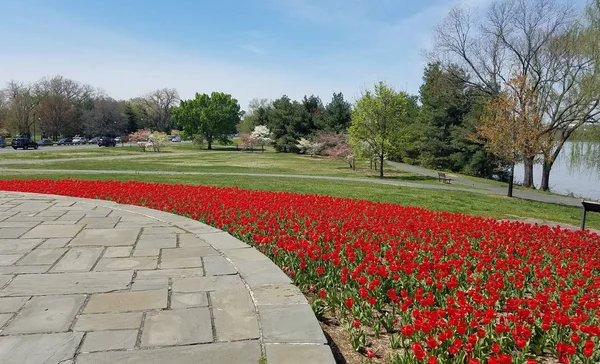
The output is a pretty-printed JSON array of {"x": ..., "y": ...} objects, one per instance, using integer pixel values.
[
  {"x": 512, "y": 180},
  {"x": 583, "y": 218}
]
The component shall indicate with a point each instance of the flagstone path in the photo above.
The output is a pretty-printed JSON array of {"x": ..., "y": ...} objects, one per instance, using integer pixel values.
[{"x": 90, "y": 281}]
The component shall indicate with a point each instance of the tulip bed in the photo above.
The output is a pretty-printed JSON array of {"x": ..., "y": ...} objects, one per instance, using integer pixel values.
[{"x": 444, "y": 288}]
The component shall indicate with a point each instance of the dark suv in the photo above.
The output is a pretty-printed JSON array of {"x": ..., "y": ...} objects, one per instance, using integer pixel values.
[
  {"x": 106, "y": 142},
  {"x": 24, "y": 143}
]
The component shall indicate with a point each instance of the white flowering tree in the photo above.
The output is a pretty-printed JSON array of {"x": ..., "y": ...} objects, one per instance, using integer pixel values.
[
  {"x": 262, "y": 135},
  {"x": 309, "y": 147}
]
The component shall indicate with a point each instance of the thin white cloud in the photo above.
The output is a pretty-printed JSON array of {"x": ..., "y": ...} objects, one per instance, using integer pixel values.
[{"x": 253, "y": 49}]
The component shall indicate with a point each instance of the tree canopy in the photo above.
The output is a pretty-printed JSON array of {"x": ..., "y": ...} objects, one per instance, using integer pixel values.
[
  {"x": 378, "y": 117},
  {"x": 211, "y": 117}
]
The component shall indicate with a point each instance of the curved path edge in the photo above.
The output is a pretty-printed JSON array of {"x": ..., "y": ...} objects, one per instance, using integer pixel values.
[{"x": 288, "y": 331}]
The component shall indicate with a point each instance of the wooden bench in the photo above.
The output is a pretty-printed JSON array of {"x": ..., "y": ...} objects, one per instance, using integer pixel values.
[
  {"x": 442, "y": 178},
  {"x": 588, "y": 206}
]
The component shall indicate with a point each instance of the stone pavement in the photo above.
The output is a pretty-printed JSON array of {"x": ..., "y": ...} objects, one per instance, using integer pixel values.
[{"x": 95, "y": 282}]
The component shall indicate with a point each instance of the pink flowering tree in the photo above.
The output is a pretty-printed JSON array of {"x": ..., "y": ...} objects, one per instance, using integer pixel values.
[{"x": 336, "y": 146}]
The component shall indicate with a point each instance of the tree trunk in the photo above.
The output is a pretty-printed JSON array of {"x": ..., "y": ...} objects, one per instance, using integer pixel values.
[
  {"x": 528, "y": 175},
  {"x": 546, "y": 168},
  {"x": 511, "y": 181},
  {"x": 209, "y": 141},
  {"x": 381, "y": 166}
]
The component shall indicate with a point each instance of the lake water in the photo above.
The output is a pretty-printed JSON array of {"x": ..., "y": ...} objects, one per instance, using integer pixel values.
[{"x": 576, "y": 171}]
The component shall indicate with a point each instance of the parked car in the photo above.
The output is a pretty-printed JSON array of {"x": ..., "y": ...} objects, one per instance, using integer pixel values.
[
  {"x": 65, "y": 141},
  {"x": 176, "y": 139},
  {"x": 45, "y": 142},
  {"x": 24, "y": 143},
  {"x": 94, "y": 140},
  {"x": 82, "y": 140},
  {"x": 107, "y": 142},
  {"x": 2, "y": 143},
  {"x": 76, "y": 140},
  {"x": 117, "y": 139}
]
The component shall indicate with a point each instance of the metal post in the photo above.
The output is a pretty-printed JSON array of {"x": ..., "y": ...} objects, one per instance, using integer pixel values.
[{"x": 583, "y": 218}]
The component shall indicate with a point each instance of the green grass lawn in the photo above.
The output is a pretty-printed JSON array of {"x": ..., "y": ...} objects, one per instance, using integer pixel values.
[
  {"x": 48, "y": 153},
  {"x": 439, "y": 200},
  {"x": 234, "y": 162}
]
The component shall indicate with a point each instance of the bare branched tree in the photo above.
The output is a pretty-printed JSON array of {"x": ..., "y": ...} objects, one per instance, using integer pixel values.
[
  {"x": 62, "y": 104},
  {"x": 159, "y": 105},
  {"x": 21, "y": 106},
  {"x": 534, "y": 38}
]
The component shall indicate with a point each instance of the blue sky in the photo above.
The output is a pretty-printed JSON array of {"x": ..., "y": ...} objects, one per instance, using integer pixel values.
[{"x": 251, "y": 48}]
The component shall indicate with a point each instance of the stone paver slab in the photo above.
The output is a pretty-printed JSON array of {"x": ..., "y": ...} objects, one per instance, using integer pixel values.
[
  {"x": 108, "y": 264},
  {"x": 171, "y": 273},
  {"x": 256, "y": 268},
  {"x": 13, "y": 232},
  {"x": 127, "y": 301},
  {"x": 9, "y": 259},
  {"x": 146, "y": 252},
  {"x": 4, "y": 317},
  {"x": 78, "y": 260},
  {"x": 18, "y": 246},
  {"x": 188, "y": 252},
  {"x": 294, "y": 354},
  {"x": 205, "y": 284},
  {"x": 67, "y": 283},
  {"x": 162, "y": 230},
  {"x": 108, "y": 321},
  {"x": 18, "y": 224},
  {"x": 4, "y": 279},
  {"x": 118, "y": 252},
  {"x": 12, "y": 304},
  {"x": 278, "y": 294},
  {"x": 24, "y": 269},
  {"x": 178, "y": 263},
  {"x": 42, "y": 256},
  {"x": 53, "y": 231},
  {"x": 187, "y": 300},
  {"x": 243, "y": 352},
  {"x": 290, "y": 324},
  {"x": 55, "y": 243},
  {"x": 39, "y": 349},
  {"x": 150, "y": 242},
  {"x": 106, "y": 237},
  {"x": 218, "y": 266},
  {"x": 110, "y": 340},
  {"x": 223, "y": 241},
  {"x": 177, "y": 327},
  {"x": 46, "y": 314},
  {"x": 235, "y": 315},
  {"x": 191, "y": 241},
  {"x": 150, "y": 284}
]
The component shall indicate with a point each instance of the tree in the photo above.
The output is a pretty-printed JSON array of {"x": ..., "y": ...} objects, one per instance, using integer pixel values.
[
  {"x": 248, "y": 141},
  {"x": 513, "y": 36},
  {"x": 105, "y": 118},
  {"x": 288, "y": 122},
  {"x": 336, "y": 146},
  {"x": 511, "y": 125},
  {"x": 572, "y": 98},
  {"x": 22, "y": 103},
  {"x": 262, "y": 134},
  {"x": 314, "y": 108},
  {"x": 256, "y": 115},
  {"x": 158, "y": 107},
  {"x": 62, "y": 104},
  {"x": 336, "y": 116},
  {"x": 377, "y": 118},
  {"x": 211, "y": 117},
  {"x": 55, "y": 112}
]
